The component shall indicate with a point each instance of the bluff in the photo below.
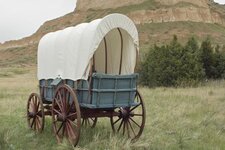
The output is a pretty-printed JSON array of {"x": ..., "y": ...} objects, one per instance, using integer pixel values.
[{"x": 157, "y": 21}]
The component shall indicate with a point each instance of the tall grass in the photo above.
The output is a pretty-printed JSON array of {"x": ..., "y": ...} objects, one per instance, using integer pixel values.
[{"x": 177, "y": 118}]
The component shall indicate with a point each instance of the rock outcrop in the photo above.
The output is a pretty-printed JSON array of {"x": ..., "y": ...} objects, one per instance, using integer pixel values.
[{"x": 189, "y": 13}]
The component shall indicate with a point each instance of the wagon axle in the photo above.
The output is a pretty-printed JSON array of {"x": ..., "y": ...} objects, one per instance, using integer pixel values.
[{"x": 124, "y": 113}]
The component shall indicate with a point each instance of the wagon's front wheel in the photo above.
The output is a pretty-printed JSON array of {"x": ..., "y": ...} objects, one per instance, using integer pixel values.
[
  {"x": 35, "y": 113},
  {"x": 131, "y": 120},
  {"x": 66, "y": 115}
]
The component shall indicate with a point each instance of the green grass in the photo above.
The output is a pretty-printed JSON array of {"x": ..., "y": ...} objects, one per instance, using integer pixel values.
[
  {"x": 177, "y": 118},
  {"x": 146, "y": 5}
]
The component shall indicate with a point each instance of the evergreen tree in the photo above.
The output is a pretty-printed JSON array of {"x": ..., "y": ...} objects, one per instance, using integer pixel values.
[
  {"x": 207, "y": 58},
  {"x": 191, "y": 61}
]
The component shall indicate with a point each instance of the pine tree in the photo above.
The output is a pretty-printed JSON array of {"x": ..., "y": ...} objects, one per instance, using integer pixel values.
[{"x": 207, "y": 58}]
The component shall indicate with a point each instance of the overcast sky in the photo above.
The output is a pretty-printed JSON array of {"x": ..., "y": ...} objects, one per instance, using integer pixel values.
[
  {"x": 21, "y": 18},
  {"x": 220, "y": 1}
]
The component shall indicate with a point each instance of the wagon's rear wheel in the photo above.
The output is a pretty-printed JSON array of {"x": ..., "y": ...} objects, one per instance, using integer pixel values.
[
  {"x": 131, "y": 120},
  {"x": 89, "y": 122},
  {"x": 35, "y": 113},
  {"x": 66, "y": 115}
]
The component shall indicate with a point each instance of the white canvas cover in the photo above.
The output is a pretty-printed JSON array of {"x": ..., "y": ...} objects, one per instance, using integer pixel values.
[{"x": 67, "y": 53}]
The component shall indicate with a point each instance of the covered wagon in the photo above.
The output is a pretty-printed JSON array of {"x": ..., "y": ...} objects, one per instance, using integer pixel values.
[{"x": 87, "y": 72}]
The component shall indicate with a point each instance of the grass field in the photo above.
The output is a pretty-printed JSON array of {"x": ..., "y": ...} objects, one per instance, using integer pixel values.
[{"x": 177, "y": 118}]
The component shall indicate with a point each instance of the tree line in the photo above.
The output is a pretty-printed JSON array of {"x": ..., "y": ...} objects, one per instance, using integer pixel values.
[{"x": 175, "y": 64}]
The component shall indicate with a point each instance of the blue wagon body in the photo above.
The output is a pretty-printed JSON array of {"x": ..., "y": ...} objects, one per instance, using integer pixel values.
[{"x": 104, "y": 91}]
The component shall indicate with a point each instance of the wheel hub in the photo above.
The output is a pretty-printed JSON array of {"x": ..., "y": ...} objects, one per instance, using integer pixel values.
[
  {"x": 62, "y": 117},
  {"x": 124, "y": 113},
  {"x": 31, "y": 114}
]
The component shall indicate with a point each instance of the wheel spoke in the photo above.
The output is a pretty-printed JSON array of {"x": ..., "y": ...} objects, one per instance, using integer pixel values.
[
  {"x": 39, "y": 113},
  {"x": 55, "y": 110},
  {"x": 71, "y": 131},
  {"x": 132, "y": 129},
  {"x": 31, "y": 103},
  {"x": 37, "y": 106},
  {"x": 60, "y": 127},
  {"x": 63, "y": 132},
  {"x": 32, "y": 123},
  {"x": 73, "y": 114},
  {"x": 124, "y": 123},
  {"x": 38, "y": 123},
  {"x": 72, "y": 123},
  {"x": 128, "y": 131},
  {"x": 35, "y": 100},
  {"x": 60, "y": 106},
  {"x": 64, "y": 100},
  {"x": 70, "y": 107},
  {"x": 135, "y": 122},
  {"x": 117, "y": 120},
  {"x": 120, "y": 126},
  {"x": 135, "y": 107}
]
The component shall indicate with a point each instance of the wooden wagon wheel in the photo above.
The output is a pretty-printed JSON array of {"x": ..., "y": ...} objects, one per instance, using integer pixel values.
[
  {"x": 131, "y": 120},
  {"x": 89, "y": 122},
  {"x": 35, "y": 113},
  {"x": 66, "y": 115}
]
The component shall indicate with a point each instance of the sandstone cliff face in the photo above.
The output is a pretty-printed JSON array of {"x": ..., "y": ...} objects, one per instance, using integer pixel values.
[{"x": 189, "y": 13}]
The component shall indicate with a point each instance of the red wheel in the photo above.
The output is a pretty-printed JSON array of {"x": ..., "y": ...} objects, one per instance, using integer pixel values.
[
  {"x": 66, "y": 115},
  {"x": 35, "y": 113},
  {"x": 131, "y": 120},
  {"x": 89, "y": 122}
]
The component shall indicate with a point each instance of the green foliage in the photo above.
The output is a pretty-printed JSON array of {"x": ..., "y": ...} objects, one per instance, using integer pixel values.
[
  {"x": 177, "y": 65},
  {"x": 207, "y": 58},
  {"x": 213, "y": 60},
  {"x": 173, "y": 65}
]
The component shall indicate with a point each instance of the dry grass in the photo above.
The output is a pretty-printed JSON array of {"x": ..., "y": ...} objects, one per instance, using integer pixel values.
[{"x": 177, "y": 118}]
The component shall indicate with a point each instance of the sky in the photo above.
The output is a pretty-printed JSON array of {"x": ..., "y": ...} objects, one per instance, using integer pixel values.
[
  {"x": 220, "y": 1},
  {"x": 21, "y": 18}
]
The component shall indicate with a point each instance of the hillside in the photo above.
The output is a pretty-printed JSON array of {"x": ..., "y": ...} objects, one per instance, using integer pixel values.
[{"x": 157, "y": 21}]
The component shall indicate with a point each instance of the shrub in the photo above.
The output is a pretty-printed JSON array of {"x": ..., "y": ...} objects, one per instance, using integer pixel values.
[
  {"x": 213, "y": 60},
  {"x": 172, "y": 65}
]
